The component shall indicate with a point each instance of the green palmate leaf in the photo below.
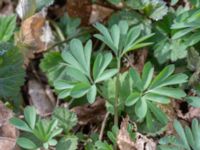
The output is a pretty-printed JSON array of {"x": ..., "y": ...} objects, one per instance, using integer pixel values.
[
  {"x": 80, "y": 90},
  {"x": 157, "y": 98},
  {"x": 136, "y": 79},
  {"x": 169, "y": 92},
  {"x": 78, "y": 79},
  {"x": 147, "y": 75},
  {"x": 161, "y": 116},
  {"x": 141, "y": 108},
  {"x": 132, "y": 98},
  {"x": 11, "y": 72},
  {"x": 162, "y": 76},
  {"x": 78, "y": 57},
  {"x": 120, "y": 39},
  {"x": 30, "y": 116},
  {"x": 179, "y": 129},
  {"x": 26, "y": 143},
  {"x": 107, "y": 74},
  {"x": 66, "y": 119},
  {"x": 145, "y": 89},
  {"x": 20, "y": 124},
  {"x": 100, "y": 64},
  {"x": 91, "y": 95},
  {"x": 7, "y": 27}
]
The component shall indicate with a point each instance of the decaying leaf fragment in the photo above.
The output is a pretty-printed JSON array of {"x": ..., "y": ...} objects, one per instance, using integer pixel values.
[
  {"x": 43, "y": 100},
  {"x": 88, "y": 12},
  {"x": 94, "y": 113},
  {"x": 8, "y": 133},
  {"x": 124, "y": 141},
  {"x": 36, "y": 33},
  {"x": 6, "y": 7}
]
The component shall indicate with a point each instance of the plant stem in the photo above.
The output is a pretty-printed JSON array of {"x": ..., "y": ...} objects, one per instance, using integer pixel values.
[
  {"x": 117, "y": 88},
  {"x": 103, "y": 125}
]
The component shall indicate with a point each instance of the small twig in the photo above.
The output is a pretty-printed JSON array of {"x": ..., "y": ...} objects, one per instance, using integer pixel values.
[
  {"x": 68, "y": 39},
  {"x": 103, "y": 125}
]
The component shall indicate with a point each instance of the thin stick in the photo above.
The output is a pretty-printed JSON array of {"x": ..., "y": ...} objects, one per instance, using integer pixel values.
[{"x": 103, "y": 125}]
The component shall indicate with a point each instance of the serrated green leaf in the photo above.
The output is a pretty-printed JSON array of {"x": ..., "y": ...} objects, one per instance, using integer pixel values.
[
  {"x": 53, "y": 66},
  {"x": 11, "y": 72},
  {"x": 7, "y": 27}
]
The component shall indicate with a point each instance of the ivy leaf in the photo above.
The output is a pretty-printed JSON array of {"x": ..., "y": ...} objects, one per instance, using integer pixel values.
[
  {"x": 11, "y": 71},
  {"x": 7, "y": 27}
]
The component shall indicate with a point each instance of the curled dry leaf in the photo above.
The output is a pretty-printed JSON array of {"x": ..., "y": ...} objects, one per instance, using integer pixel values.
[
  {"x": 8, "y": 133},
  {"x": 35, "y": 35},
  {"x": 126, "y": 143},
  {"x": 39, "y": 97},
  {"x": 94, "y": 113}
]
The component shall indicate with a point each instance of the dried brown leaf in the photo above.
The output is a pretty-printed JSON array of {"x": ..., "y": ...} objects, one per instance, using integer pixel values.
[
  {"x": 40, "y": 98},
  {"x": 6, "y": 7},
  {"x": 94, "y": 113},
  {"x": 123, "y": 139},
  {"x": 126, "y": 143},
  {"x": 8, "y": 133}
]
